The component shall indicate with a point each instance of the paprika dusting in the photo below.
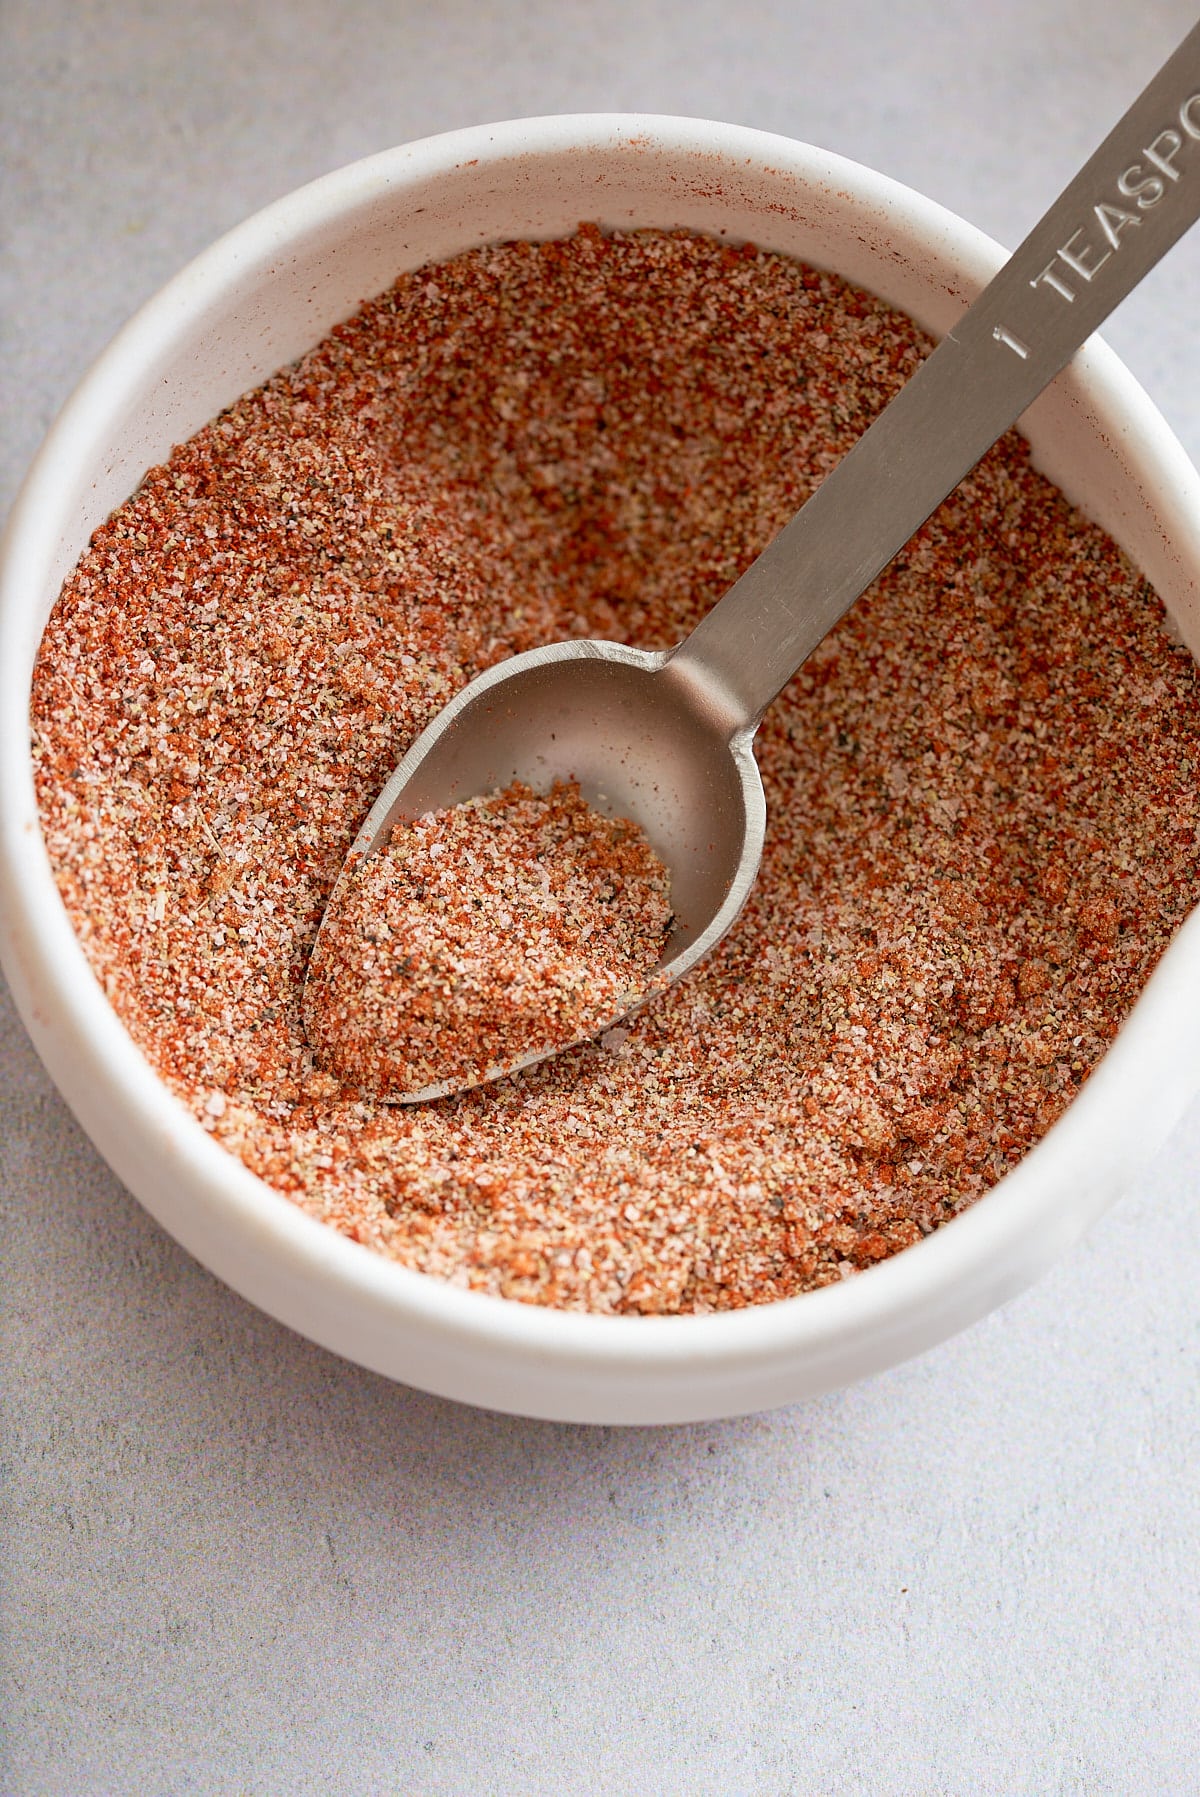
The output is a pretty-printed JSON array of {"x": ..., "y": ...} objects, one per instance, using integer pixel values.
[
  {"x": 507, "y": 926},
  {"x": 984, "y": 815}
]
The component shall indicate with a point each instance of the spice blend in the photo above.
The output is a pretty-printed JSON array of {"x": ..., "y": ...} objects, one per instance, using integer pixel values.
[
  {"x": 507, "y": 926},
  {"x": 984, "y": 820}
]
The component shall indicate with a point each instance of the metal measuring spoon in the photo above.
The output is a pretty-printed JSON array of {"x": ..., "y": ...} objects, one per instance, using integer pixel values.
[{"x": 666, "y": 737}]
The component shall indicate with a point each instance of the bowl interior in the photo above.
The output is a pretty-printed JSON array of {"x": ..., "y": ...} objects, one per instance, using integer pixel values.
[{"x": 256, "y": 301}]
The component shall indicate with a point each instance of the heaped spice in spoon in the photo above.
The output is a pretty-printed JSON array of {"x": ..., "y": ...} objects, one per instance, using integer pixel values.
[
  {"x": 482, "y": 934},
  {"x": 983, "y": 790}
]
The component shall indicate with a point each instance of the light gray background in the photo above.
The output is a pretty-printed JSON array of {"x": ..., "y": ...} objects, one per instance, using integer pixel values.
[{"x": 233, "y": 1563}]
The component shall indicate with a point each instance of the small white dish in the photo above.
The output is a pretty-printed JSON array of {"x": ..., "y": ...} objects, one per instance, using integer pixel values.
[{"x": 255, "y": 301}]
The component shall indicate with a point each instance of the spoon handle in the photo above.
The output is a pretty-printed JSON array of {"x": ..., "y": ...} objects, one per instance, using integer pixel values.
[{"x": 1135, "y": 197}]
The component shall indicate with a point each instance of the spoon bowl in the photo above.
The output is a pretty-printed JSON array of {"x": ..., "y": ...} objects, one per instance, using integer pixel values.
[{"x": 642, "y": 737}]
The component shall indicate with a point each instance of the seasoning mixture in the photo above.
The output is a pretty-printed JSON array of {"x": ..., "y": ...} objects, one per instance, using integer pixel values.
[
  {"x": 499, "y": 928},
  {"x": 984, "y": 810}
]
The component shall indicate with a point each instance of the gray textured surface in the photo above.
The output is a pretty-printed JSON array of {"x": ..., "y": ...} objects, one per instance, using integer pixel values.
[{"x": 232, "y": 1563}]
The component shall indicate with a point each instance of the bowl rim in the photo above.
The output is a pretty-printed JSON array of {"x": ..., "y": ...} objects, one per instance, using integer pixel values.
[{"x": 993, "y": 1248}]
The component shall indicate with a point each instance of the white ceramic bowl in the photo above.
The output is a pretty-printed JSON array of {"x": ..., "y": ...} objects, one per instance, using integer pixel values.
[{"x": 253, "y": 302}]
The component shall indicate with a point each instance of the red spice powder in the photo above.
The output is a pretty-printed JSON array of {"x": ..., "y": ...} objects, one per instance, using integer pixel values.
[
  {"x": 984, "y": 811},
  {"x": 504, "y": 927}
]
